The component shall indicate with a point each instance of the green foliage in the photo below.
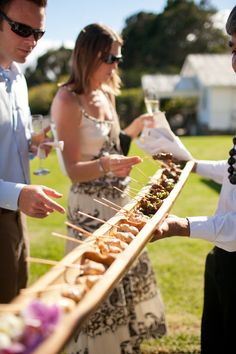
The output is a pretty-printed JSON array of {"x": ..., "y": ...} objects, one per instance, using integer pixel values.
[
  {"x": 40, "y": 98},
  {"x": 129, "y": 105},
  {"x": 161, "y": 42},
  {"x": 50, "y": 67}
]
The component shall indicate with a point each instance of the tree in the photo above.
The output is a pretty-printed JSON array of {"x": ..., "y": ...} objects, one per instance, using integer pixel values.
[
  {"x": 50, "y": 67},
  {"x": 160, "y": 42}
]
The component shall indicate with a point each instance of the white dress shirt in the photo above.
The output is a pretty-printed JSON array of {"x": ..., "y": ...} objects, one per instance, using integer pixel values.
[
  {"x": 220, "y": 228},
  {"x": 15, "y": 134}
]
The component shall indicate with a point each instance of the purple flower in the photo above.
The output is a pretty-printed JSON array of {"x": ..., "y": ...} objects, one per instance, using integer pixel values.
[{"x": 40, "y": 319}]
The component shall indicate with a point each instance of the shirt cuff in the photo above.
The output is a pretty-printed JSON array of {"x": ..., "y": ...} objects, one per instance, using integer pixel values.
[
  {"x": 202, "y": 227},
  {"x": 9, "y": 194}
]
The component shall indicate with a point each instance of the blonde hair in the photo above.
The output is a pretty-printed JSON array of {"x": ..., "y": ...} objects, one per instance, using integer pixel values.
[{"x": 93, "y": 44}]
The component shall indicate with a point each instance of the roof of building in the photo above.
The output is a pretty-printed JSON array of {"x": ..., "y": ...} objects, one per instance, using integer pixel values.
[
  {"x": 210, "y": 69},
  {"x": 198, "y": 70}
]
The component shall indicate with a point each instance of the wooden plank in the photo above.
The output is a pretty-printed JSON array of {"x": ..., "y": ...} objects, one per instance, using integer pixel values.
[{"x": 73, "y": 321}]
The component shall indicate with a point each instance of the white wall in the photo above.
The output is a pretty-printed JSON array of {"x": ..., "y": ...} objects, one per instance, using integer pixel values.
[
  {"x": 203, "y": 106},
  {"x": 222, "y": 108}
]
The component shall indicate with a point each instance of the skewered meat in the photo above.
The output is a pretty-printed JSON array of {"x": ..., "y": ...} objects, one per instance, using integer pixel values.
[
  {"x": 130, "y": 228},
  {"x": 74, "y": 293},
  {"x": 125, "y": 236},
  {"x": 163, "y": 156},
  {"x": 92, "y": 268}
]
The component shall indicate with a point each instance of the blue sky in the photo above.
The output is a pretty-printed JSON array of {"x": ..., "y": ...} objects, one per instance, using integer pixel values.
[{"x": 65, "y": 19}]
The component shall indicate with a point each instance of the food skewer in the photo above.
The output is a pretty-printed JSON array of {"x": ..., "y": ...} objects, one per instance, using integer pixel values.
[
  {"x": 121, "y": 191},
  {"x": 112, "y": 203},
  {"x": 93, "y": 217},
  {"x": 136, "y": 181},
  {"x": 99, "y": 201},
  {"x": 154, "y": 162},
  {"x": 85, "y": 243},
  {"x": 51, "y": 262},
  {"x": 164, "y": 164},
  {"x": 77, "y": 228},
  {"x": 140, "y": 171}
]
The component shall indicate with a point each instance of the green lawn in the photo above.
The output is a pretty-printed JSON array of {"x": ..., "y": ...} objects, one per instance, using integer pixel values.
[{"x": 178, "y": 263}]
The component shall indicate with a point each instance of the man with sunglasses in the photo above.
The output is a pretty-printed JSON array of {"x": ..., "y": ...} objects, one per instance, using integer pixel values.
[{"x": 21, "y": 26}]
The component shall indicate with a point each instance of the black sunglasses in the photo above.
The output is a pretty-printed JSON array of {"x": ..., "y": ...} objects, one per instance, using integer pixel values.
[
  {"x": 21, "y": 29},
  {"x": 111, "y": 59}
]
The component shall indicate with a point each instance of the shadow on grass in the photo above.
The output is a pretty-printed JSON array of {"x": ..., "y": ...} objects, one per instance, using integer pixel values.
[{"x": 213, "y": 185}]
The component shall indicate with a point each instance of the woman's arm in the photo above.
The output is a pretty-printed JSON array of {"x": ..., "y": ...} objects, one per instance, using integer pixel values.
[
  {"x": 137, "y": 125},
  {"x": 66, "y": 113}
]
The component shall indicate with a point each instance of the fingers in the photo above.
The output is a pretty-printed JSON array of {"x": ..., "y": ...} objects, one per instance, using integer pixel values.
[
  {"x": 121, "y": 166},
  {"x": 50, "y": 205},
  {"x": 51, "y": 192}
]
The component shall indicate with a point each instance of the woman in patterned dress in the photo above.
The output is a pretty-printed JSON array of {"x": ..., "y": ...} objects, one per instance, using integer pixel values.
[{"x": 86, "y": 119}]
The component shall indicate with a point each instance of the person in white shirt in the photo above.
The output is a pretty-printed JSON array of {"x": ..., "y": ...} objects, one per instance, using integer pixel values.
[
  {"x": 219, "y": 311},
  {"x": 21, "y": 26}
]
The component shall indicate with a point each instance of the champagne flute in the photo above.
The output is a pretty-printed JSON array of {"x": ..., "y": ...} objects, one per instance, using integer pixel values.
[
  {"x": 151, "y": 102},
  {"x": 38, "y": 134}
]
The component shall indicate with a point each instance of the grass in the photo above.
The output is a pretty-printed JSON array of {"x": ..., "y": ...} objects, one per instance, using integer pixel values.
[{"x": 178, "y": 263}]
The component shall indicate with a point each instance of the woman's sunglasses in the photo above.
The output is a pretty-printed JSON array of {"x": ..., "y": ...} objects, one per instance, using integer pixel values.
[
  {"x": 21, "y": 29},
  {"x": 111, "y": 59}
]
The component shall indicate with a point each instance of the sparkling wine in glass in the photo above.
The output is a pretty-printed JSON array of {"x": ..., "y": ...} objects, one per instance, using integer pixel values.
[
  {"x": 152, "y": 105},
  {"x": 38, "y": 136}
]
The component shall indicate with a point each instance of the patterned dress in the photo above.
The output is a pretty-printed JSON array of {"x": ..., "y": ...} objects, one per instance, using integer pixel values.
[{"x": 134, "y": 310}]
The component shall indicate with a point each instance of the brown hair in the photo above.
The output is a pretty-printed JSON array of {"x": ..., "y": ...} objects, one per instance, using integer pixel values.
[
  {"x": 231, "y": 22},
  {"x": 92, "y": 45}
]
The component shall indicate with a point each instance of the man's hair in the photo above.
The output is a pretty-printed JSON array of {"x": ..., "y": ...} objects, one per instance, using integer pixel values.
[
  {"x": 5, "y": 3},
  {"x": 231, "y": 22}
]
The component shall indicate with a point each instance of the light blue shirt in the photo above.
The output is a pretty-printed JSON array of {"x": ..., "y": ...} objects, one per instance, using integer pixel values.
[{"x": 15, "y": 134}]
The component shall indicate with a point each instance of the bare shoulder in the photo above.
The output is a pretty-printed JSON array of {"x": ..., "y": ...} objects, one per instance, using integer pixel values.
[
  {"x": 65, "y": 105},
  {"x": 65, "y": 96}
]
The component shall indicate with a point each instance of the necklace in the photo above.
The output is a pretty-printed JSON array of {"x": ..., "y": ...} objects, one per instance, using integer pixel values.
[{"x": 231, "y": 162}]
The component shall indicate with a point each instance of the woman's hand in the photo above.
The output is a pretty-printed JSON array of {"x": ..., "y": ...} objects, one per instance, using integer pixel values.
[
  {"x": 119, "y": 165},
  {"x": 135, "y": 128}
]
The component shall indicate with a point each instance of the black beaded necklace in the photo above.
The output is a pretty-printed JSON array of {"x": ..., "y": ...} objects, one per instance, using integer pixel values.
[{"x": 231, "y": 162}]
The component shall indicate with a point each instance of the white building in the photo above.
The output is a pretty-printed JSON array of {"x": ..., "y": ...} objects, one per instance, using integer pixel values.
[{"x": 209, "y": 77}]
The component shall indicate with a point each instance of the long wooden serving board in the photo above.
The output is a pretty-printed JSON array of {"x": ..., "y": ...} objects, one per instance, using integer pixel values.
[{"x": 72, "y": 321}]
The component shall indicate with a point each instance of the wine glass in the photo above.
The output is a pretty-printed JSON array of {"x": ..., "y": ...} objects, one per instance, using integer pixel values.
[
  {"x": 38, "y": 135},
  {"x": 151, "y": 102}
]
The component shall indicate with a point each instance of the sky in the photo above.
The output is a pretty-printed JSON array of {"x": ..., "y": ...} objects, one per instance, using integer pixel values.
[{"x": 65, "y": 19}]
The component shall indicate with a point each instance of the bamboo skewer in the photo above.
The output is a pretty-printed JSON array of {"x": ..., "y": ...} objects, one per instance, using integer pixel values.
[
  {"x": 142, "y": 173},
  {"x": 154, "y": 162},
  {"x": 121, "y": 191},
  {"x": 77, "y": 228},
  {"x": 51, "y": 262},
  {"x": 56, "y": 234},
  {"x": 98, "y": 201},
  {"x": 112, "y": 203},
  {"x": 93, "y": 217},
  {"x": 136, "y": 181},
  {"x": 157, "y": 161},
  {"x": 48, "y": 288}
]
